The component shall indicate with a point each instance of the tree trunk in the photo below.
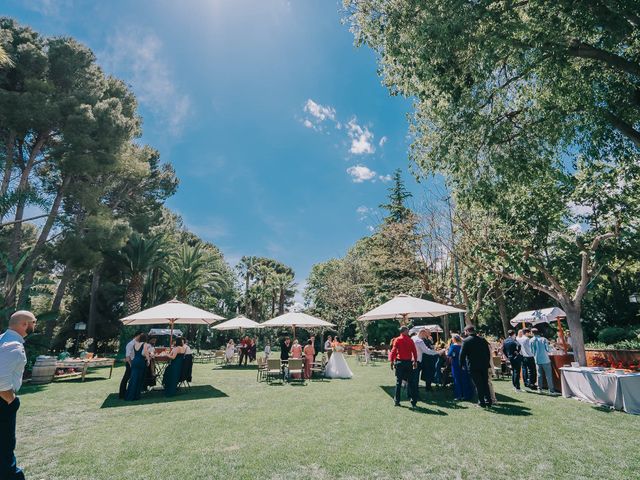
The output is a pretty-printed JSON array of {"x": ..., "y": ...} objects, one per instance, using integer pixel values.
[
  {"x": 575, "y": 327},
  {"x": 42, "y": 238},
  {"x": 133, "y": 295},
  {"x": 281, "y": 301},
  {"x": 57, "y": 302},
  {"x": 502, "y": 309},
  {"x": 93, "y": 307},
  {"x": 8, "y": 165},
  {"x": 445, "y": 327}
]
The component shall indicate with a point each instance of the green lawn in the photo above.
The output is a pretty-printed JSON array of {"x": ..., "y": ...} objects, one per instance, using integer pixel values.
[{"x": 232, "y": 427}]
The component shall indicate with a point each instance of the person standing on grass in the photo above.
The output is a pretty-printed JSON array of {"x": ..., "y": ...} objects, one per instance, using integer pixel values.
[
  {"x": 404, "y": 359},
  {"x": 528, "y": 362},
  {"x": 540, "y": 348},
  {"x": 476, "y": 353},
  {"x": 128, "y": 357},
  {"x": 511, "y": 349},
  {"x": 426, "y": 356},
  {"x": 327, "y": 347},
  {"x": 12, "y": 363}
]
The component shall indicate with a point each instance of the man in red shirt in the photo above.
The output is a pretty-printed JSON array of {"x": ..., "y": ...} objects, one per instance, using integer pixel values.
[{"x": 404, "y": 358}]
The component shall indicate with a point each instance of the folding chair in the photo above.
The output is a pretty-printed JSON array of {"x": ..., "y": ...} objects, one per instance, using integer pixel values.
[
  {"x": 274, "y": 369},
  {"x": 295, "y": 368}
]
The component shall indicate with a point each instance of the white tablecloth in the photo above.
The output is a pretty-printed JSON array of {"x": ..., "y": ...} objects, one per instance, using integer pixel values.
[{"x": 619, "y": 391}]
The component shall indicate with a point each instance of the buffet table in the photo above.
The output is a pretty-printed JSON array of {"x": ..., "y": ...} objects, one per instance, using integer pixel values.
[
  {"x": 83, "y": 365},
  {"x": 603, "y": 387}
]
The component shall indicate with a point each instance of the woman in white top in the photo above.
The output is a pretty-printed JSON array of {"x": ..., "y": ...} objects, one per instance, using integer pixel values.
[{"x": 230, "y": 351}]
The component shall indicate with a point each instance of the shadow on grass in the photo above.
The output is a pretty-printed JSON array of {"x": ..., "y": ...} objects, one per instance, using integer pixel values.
[
  {"x": 28, "y": 388},
  {"x": 430, "y": 399},
  {"x": 504, "y": 399},
  {"x": 78, "y": 379},
  {"x": 603, "y": 408},
  {"x": 510, "y": 410},
  {"x": 198, "y": 392}
]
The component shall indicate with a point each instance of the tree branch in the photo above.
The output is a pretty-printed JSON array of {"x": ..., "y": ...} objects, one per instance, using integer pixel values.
[{"x": 580, "y": 49}]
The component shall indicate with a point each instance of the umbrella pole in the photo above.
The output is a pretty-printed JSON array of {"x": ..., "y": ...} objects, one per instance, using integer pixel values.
[{"x": 171, "y": 333}]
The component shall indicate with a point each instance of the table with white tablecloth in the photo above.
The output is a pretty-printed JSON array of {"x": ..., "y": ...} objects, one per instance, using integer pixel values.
[{"x": 618, "y": 390}]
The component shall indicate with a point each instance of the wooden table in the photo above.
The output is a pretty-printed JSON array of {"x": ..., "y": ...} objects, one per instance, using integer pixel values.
[{"x": 85, "y": 365}]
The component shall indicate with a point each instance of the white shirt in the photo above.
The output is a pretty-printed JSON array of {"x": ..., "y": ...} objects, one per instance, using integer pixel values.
[
  {"x": 12, "y": 360},
  {"x": 128, "y": 350},
  {"x": 525, "y": 346},
  {"x": 422, "y": 348},
  {"x": 187, "y": 350},
  {"x": 327, "y": 345}
]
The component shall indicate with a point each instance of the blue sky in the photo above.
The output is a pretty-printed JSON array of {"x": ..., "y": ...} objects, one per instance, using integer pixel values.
[{"x": 279, "y": 129}]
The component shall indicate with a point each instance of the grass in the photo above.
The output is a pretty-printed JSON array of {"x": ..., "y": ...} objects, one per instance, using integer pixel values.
[{"x": 231, "y": 427}]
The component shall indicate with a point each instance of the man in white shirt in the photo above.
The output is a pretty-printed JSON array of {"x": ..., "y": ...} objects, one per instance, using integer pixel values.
[
  {"x": 327, "y": 347},
  {"x": 12, "y": 362},
  {"x": 528, "y": 362},
  {"x": 128, "y": 356},
  {"x": 422, "y": 349}
]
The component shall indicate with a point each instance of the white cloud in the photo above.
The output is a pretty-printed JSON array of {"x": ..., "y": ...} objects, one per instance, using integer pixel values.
[
  {"x": 382, "y": 141},
  {"x": 385, "y": 178},
  {"x": 361, "y": 138},
  {"x": 363, "y": 212},
  {"x": 319, "y": 112},
  {"x": 137, "y": 56},
  {"x": 360, "y": 173}
]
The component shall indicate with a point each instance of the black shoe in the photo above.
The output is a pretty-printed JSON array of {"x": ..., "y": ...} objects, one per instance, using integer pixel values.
[
  {"x": 413, "y": 406},
  {"x": 396, "y": 404}
]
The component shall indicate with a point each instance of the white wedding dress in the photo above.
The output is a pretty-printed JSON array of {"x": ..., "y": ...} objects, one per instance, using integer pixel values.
[{"x": 337, "y": 365}]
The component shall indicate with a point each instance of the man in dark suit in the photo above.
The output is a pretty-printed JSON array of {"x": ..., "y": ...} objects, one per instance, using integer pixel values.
[
  {"x": 511, "y": 349},
  {"x": 285, "y": 348},
  {"x": 476, "y": 354}
]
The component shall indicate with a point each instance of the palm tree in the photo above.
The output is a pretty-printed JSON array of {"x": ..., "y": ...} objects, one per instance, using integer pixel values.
[
  {"x": 192, "y": 271},
  {"x": 139, "y": 256}
]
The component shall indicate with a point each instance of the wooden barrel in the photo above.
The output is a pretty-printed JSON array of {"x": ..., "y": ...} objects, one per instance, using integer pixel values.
[{"x": 43, "y": 370}]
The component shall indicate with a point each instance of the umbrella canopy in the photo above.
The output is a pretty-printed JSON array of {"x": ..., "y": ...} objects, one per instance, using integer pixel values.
[
  {"x": 296, "y": 319},
  {"x": 409, "y": 307},
  {"x": 431, "y": 328},
  {"x": 237, "y": 323},
  {"x": 172, "y": 312},
  {"x": 534, "y": 317},
  {"x": 164, "y": 331}
]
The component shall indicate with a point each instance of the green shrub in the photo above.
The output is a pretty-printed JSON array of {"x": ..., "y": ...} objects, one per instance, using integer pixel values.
[{"x": 611, "y": 335}]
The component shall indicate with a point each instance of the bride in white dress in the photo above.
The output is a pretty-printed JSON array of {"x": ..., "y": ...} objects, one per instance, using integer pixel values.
[{"x": 337, "y": 365}]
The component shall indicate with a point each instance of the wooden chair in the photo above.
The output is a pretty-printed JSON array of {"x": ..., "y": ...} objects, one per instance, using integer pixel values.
[
  {"x": 296, "y": 367},
  {"x": 218, "y": 357},
  {"x": 262, "y": 368},
  {"x": 274, "y": 370},
  {"x": 496, "y": 366},
  {"x": 317, "y": 368}
]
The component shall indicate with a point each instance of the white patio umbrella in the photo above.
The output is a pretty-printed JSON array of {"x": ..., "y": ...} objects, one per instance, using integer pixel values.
[
  {"x": 296, "y": 319},
  {"x": 405, "y": 307},
  {"x": 534, "y": 317},
  {"x": 170, "y": 313},
  {"x": 239, "y": 323}
]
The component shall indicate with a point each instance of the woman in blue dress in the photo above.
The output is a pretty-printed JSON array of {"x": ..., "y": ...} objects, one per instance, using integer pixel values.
[
  {"x": 462, "y": 387},
  {"x": 138, "y": 368},
  {"x": 172, "y": 374}
]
